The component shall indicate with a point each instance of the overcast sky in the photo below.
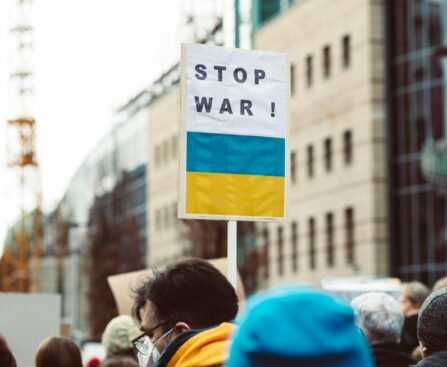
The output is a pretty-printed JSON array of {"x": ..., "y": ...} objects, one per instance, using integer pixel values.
[{"x": 91, "y": 56}]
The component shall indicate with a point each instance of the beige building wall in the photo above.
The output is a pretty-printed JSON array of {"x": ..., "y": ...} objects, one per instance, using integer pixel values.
[
  {"x": 165, "y": 235},
  {"x": 351, "y": 99}
]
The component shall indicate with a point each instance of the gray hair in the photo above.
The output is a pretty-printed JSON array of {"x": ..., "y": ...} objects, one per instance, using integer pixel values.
[
  {"x": 379, "y": 316},
  {"x": 416, "y": 292}
]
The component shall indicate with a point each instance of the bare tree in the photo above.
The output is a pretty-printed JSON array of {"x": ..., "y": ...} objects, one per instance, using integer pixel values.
[{"x": 116, "y": 246}]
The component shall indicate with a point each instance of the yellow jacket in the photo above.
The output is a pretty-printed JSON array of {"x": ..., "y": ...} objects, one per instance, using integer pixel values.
[{"x": 205, "y": 349}]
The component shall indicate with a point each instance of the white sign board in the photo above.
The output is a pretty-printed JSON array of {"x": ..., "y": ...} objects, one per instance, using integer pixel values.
[
  {"x": 234, "y": 134},
  {"x": 27, "y": 319}
]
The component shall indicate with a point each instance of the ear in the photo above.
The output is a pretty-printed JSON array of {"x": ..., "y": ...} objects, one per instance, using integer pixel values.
[{"x": 181, "y": 327}]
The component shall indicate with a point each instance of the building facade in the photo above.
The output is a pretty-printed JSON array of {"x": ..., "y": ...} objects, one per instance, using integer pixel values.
[
  {"x": 167, "y": 242},
  {"x": 417, "y": 50},
  {"x": 338, "y": 179}
]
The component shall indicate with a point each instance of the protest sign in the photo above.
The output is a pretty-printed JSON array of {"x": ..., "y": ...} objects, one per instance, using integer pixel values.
[
  {"x": 26, "y": 320},
  {"x": 234, "y": 134}
]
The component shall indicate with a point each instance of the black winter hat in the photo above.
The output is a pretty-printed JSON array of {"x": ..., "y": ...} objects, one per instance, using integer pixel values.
[{"x": 432, "y": 323}]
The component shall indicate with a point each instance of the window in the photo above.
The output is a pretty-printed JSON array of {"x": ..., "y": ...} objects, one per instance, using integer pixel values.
[
  {"x": 166, "y": 151},
  {"x": 330, "y": 239},
  {"x": 294, "y": 247},
  {"x": 293, "y": 166},
  {"x": 310, "y": 161},
  {"x": 292, "y": 79},
  {"x": 349, "y": 228},
  {"x": 266, "y": 238},
  {"x": 157, "y": 155},
  {"x": 157, "y": 219},
  {"x": 174, "y": 146},
  {"x": 167, "y": 217},
  {"x": 266, "y": 9},
  {"x": 174, "y": 212},
  {"x": 326, "y": 62},
  {"x": 280, "y": 251},
  {"x": 347, "y": 147},
  {"x": 346, "y": 55},
  {"x": 312, "y": 263},
  {"x": 328, "y": 155},
  {"x": 309, "y": 71}
]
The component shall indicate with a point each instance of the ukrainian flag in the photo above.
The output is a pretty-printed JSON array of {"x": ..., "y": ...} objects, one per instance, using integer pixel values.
[{"x": 236, "y": 175}]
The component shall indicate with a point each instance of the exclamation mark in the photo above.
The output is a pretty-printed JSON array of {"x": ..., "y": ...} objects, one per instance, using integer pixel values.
[{"x": 273, "y": 109}]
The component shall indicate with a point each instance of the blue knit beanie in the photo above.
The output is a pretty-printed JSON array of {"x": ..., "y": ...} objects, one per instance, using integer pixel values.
[{"x": 298, "y": 326}]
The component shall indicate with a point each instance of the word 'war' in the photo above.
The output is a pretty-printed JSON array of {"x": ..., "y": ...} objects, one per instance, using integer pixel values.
[{"x": 205, "y": 104}]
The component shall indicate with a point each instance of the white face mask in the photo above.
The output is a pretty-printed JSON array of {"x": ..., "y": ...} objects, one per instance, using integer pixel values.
[{"x": 148, "y": 354}]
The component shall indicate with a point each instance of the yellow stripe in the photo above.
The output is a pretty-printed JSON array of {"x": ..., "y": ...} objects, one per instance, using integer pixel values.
[{"x": 230, "y": 194}]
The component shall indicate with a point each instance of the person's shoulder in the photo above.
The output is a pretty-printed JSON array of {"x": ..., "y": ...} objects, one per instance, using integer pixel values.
[
  {"x": 438, "y": 359},
  {"x": 221, "y": 331},
  {"x": 390, "y": 354}
]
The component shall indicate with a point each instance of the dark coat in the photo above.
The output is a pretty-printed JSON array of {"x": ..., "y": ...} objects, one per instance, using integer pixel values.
[
  {"x": 390, "y": 355},
  {"x": 438, "y": 359},
  {"x": 409, "y": 339}
]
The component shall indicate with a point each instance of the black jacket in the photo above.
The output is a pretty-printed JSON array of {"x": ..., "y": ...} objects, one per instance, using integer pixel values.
[
  {"x": 409, "y": 339},
  {"x": 390, "y": 355},
  {"x": 438, "y": 359}
]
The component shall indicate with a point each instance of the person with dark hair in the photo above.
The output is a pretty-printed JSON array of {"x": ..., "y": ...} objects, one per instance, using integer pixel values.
[
  {"x": 432, "y": 330},
  {"x": 57, "y": 351},
  {"x": 185, "y": 313},
  {"x": 6, "y": 357}
]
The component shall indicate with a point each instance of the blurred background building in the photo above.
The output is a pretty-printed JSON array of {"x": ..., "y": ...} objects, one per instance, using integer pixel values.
[
  {"x": 104, "y": 208},
  {"x": 368, "y": 150},
  {"x": 416, "y": 134},
  {"x": 338, "y": 213}
]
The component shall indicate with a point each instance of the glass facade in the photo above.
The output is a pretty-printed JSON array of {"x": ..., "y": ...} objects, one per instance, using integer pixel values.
[
  {"x": 264, "y": 10},
  {"x": 416, "y": 49}
]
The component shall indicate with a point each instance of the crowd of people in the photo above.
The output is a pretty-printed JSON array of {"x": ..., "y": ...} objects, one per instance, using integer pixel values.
[{"x": 187, "y": 316}]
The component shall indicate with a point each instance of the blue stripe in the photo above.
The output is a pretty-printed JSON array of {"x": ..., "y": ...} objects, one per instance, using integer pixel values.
[{"x": 238, "y": 154}]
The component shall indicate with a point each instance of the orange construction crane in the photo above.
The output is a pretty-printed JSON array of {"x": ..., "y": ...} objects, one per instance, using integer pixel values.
[{"x": 19, "y": 265}]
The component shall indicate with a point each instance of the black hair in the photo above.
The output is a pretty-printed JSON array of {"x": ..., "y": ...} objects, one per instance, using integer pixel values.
[
  {"x": 6, "y": 357},
  {"x": 192, "y": 291}
]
